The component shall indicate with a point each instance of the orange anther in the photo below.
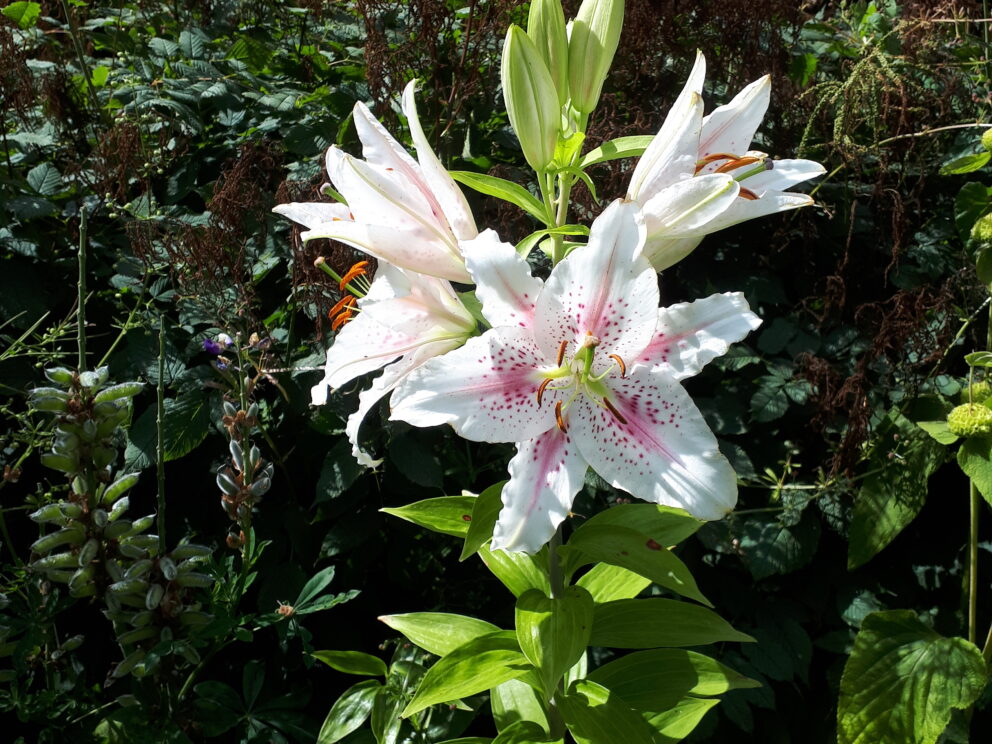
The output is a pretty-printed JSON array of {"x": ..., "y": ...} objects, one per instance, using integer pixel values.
[
  {"x": 558, "y": 419},
  {"x": 623, "y": 367},
  {"x": 713, "y": 157},
  {"x": 747, "y": 194},
  {"x": 355, "y": 271},
  {"x": 561, "y": 351},
  {"x": 737, "y": 163},
  {"x": 619, "y": 417},
  {"x": 345, "y": 303},
  {"x": 540, "y": 390},
  {"x": 341, "y": 319}
]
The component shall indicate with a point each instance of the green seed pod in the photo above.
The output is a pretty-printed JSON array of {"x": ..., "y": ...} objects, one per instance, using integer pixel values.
[
  {"x": 137, "y": 635},
  {"x": 261, "y": 487},
  {"x": 106, "y": 427},
  {"x": 88, "y": 431},
  {"x": 116, "y": 392},
  {"x": 100, "y": 518},
  {"x": 227, "y": 484},
  {"x": 229, "y": 409},
  {"x": 60, "y": 577},
  {"x": 129, "y": 663},
  {"x": 194, "y": 618},
  {"x": 141, "y": 619},
  {"x": 93, "y": 379},
  {"x": 970, "y": 420},
  {"x": 116, "y": 489},
  {"x": 191, "y": 550},
  {"x": 154, "y": 595},
  {"x": 132, "y": 551},
  {"x": 83, "y": 590},
  {"x": 113, "y": 569},
  {"x": 139, "y": 568},
  {"x": 127, "y": 701},
  {"x": 79, "y": 485},
  {"x": 107, "y": 409},
  {"x": 254, "y": 457},
  {"x": 47, "y": 513},
  {"x": 103, "y": 456},
  {"x": 140, "y": 525},
  {"x": 237, "y": 455},
  {"x": 50, "y": 404},
  {"x": 137, "y": 601},
  {"x": 115, "y": 530},
  {"x": 189, "y": 653},
  {"x": 194, "y": 579},
  {"x": 120, "y": 508},
  {"x": 128, "y": 586},
  {"x": 58, "y": 561},
  {"x": 64, "y": 463},
  {"x": 81, "y": 578},
  {"x": 88, "y": 552},
  {"x": 66, "y": 443},
  {"x": 71, "y": 510},
  {"x": 168, "y": 568},
  {"x": 71, "y": 644},
  {"x": 252, "y": 410},
  {"x": 165, "y": 635},
  {"x": 531, "y": 99},
  {"x": 144, "y": 542},
  {"x": 592, "y": 43},
  {"x": 66, "y": 536},
  {"x": 59, "y": 375},
  {"x": 49, "y": 392}
]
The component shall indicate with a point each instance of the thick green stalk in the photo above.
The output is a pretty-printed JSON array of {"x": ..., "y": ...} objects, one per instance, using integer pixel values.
[
  {"x": 81, "y": 293},
  {"x": 159, "y": 435}
]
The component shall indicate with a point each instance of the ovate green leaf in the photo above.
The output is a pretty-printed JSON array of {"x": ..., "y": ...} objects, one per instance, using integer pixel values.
[
  {"x": 596, "y": 715},
  {"x": 652, "y": 622},
  {"x": 438, "y": 632},
  {"x": 353, "y": 662},
  {"x": 348, "y": 712},
  {"x": 450, "y": 515},
  {"x": 553, "y": 632}
]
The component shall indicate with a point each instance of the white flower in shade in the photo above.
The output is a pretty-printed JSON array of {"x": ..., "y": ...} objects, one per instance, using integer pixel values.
[
  {"x": 698, "y": 176},
  {"x": 583, "y": 371},
  {"x": 405, "y": 319},
  {"x": 406, "y": 212}
]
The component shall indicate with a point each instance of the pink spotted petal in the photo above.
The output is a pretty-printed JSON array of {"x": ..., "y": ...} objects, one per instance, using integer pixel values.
[
  {"x": 691, "y": 334},
  {"x": 664, "y": 453},
  {"x": 486, "y": 390},
  {"x": 606, "y": 289},
  {"x": 505, "y": 286},
  {"x": 545, "y": 475}
]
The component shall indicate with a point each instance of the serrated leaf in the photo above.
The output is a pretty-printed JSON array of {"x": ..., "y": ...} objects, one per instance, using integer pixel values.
[
  {"x": 655, "y": 622},
  {"x": 438, "y": 632},
  {"x": 24, "y": 14},
  {"x": 770, "y": 547},
  {"x": 449, "y": 515},
  {"x": 902, "y": 681},
  {"x": 474, "y": 667},
  {"x": 484, "y": 514},
  {"x": 348, "y": 712},
  {"x": 939, "y": 430},
  {"x": 45, "y": 179},
  {"x": 505, "y": 190},
  {"x": 966, "y": 164},
  {"x": 553, "y": 631},
  {"x": 353, "y": 662},
  {"x": 185, "y": 425},
  {"x": 621, "y": 147},
  {"x": 596, "y": 715},
  {"x": 635, "y": 551},
  {"x": 770, "y": 401}
]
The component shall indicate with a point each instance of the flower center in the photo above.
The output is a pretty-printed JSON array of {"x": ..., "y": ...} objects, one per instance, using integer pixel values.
[
  {"x": 576, "y": 375},
  {"x": 759, "y": 161}
]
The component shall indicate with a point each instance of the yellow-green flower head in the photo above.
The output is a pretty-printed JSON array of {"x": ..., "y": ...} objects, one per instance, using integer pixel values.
[
  {"x": 978, "y": 392},
  {"x": 987, "y": 139},
  {"x": 982, "y": 229},
  {"x": 970, "y": 420}
]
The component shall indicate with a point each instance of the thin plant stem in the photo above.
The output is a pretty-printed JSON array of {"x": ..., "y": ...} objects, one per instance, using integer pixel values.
[
  {"x": 81, "y": 293},
  {"x": 973, "y": 507},
  {"x": 159, "y": 434}
]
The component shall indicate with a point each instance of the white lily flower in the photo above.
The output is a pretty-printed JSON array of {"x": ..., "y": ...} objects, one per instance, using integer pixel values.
[
  {"x": 698, "y": 175},
  {"x": 405, "y": 319},
  {"x": 409, "y": 213},
  {"x": 584, "y": 372}
]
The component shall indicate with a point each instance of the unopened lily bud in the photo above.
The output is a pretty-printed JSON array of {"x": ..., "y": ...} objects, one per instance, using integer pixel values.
[
  {"x": 546, "y": 28},
  {"x": 970, "y": 420},
  {"x": 531, "y": 99},
  {"x": 594, "y": 38}
]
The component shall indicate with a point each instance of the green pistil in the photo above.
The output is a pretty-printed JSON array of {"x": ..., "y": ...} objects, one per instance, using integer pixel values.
[{"x": 758, "y": 168}]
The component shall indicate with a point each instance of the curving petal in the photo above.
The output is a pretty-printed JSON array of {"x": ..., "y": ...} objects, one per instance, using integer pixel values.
[
  {"x": 783, "y": 175},
  {"x": 673, "y": 152},
  {"x": 545, "y": 475},
  {"x": 311, "y": 214},
  {"x": 731, "y": 127},
  {"x": 605, "y": 288},
  {"x": 691, "y": 334},
  {"x": 413, "y": 249},
  {"x": 380, "y": 148},
  {"x": 486, "y": 390},
  {"x": 362, "y": 345},
  {"x": 663, "y": 252},
  {"x": 444, "y": 190},
  {"x": 664, "y": 452},
  {"x": 416, "y": 304},
  {"x": 503, "y": 280},
  {"x": 688, "y": 207},
  {"x": 748, "y": 209},
  {"x": 382, "y": 386}
]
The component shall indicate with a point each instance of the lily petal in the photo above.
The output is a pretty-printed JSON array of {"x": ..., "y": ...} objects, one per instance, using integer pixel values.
[
  {"x": 454, "y": 206},
  {"x": 545, "y": 475},
  {"x": 783, "y": 175},
  {"x": 731, "y": 127},
  {"x": 311, "y": 214},
  {"x": 691, "y": 334},
  {"x": 606, "y": 289},
  {"x": 504, "y": 284},
  {"x": 690, "y": 206},
  {"x": 662, "y": 451},
  {"x": 748, "y": 209},
  {"x": 486, "y": 389},
  {"x": 380, "y": 148}
]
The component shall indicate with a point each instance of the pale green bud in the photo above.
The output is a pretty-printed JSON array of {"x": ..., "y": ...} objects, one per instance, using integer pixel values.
[
  {"x": 593, "y": 42},
  {"x": 546, "y": 28},
  {"x": 987, "y": 139},
  {"x": 981, "y": 231},
  {"x": 531, "y": 99},
  {"x": 970, "y": 420}
]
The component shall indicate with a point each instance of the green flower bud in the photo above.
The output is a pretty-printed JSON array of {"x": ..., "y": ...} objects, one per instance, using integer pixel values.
[
  {"x": 116, "y": 392},
  {"x": 119, "y": 486},
  {"x": 593, "y": 42},
  {"x": 59, "y": 375},
  {"x": 531, "y": 99},
  {"x": 970, "y": 420},
  {"x": 66, "y": 536},
  {"x": 190, "y": 550},
  {"x": 987, "y": 139},
  {"x": 546, "y": 28}
]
